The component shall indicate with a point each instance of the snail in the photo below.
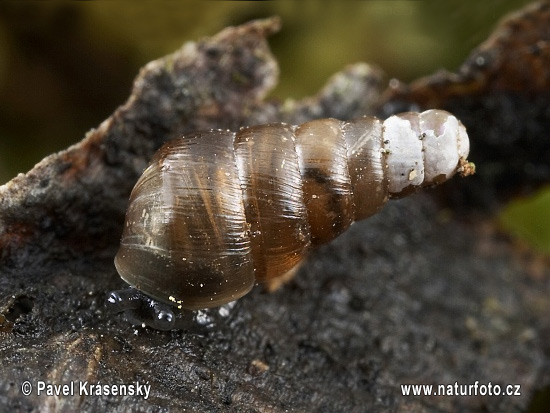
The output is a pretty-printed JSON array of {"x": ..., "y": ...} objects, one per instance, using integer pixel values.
[{"x": 217, "y": 211}]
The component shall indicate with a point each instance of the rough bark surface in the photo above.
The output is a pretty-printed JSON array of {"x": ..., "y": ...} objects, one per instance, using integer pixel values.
[{"x": 413, "y": 295}]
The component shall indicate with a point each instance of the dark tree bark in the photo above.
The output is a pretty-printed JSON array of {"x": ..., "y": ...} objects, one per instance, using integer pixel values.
[{"x": 427, "y": 291}]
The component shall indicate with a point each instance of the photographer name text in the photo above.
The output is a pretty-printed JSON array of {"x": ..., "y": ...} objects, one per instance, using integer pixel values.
[{"x": 85, "y": 388}]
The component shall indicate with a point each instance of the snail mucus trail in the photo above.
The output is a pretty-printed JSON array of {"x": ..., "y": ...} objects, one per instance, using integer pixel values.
[{"x": 217, "y": 211}]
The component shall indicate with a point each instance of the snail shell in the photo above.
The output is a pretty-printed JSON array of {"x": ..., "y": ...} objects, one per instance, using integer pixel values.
[{"x": 217, "y": 211}]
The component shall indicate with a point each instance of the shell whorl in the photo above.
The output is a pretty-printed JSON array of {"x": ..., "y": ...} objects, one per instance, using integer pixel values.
[{"x": 217, "y": 210}]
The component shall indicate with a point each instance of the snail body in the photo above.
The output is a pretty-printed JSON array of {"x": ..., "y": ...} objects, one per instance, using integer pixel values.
[{"x": 217, "y": 211}]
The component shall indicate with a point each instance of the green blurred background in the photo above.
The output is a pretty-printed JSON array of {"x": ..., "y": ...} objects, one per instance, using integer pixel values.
[{"x": 65, "y": 66}]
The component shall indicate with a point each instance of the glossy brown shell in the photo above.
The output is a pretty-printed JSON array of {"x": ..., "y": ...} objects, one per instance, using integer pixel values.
[{"x": 217, "y": 211}]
